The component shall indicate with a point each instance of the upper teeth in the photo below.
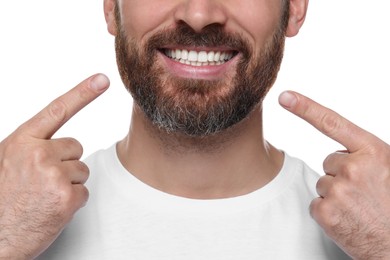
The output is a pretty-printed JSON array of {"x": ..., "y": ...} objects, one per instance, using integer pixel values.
[{"x": 200, "y": 58}]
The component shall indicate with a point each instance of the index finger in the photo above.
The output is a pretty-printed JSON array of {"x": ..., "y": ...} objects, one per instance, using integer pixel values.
[
  {"x": 44, "y": 124},
  {"x": 326, "y": 121}
]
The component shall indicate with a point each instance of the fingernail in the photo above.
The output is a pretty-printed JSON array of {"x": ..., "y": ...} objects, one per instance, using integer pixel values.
[
  {"x": 287, "y": 99},
  {"x": 99, "y": 82}
]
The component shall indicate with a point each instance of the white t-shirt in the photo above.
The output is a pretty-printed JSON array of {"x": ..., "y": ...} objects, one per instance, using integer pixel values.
[{"x": 127, "y": 219}]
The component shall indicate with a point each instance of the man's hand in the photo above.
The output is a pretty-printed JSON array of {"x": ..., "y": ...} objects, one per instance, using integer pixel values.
[
  {"x": 354, "y": 203},
  {"x": 42, "y": 179}
]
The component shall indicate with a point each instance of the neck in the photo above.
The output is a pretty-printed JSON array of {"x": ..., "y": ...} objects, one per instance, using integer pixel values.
[{"x": 234, "y": 162}]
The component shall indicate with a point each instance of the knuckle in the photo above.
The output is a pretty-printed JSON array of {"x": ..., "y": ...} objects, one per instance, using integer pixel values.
[
  {"x": 83, "y": 172},
  {"x": 323, "y": 213},
  {"x": 57, "y": 110},
  {"x": 66, "y": 195},
  {"x": 313, "y": 207},
  {"x": 84, "y": 195},
  {"x": 326, "y": 163},
  {"x": 79, "y": 147},
  {"x": 320, "y": 184},
  {"x": 66, "y": 200},
  {"x": 84, "y": 168},
  {"x": 54, "y": 174},
  {"x": 73, "y": 199},
  {"x": 73, "y": 144},
  {"x": 338, "y": 189},
  {"x": 319, "y": 209},
  {"x": 84, "y": 93},
  {"x": 40, "y": 154},
  {"x": 329, "y": 124},
  {"x": 349, "y": 170},
  {"x": 305, "y": 109}
]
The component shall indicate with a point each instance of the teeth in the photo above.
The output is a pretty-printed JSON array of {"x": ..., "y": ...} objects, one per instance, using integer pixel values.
[
  {"x": 217, "y": 55},
  {"x": 193, "y": 56},
  {"x": 201, "y": 58},
  {"x": 178, "y": 53},
  {"x": 210, "y": 56},
  {"x": 184, "y": 55}
]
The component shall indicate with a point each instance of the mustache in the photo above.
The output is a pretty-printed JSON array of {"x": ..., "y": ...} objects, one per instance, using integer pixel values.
[{"x": 211, "y": 36}]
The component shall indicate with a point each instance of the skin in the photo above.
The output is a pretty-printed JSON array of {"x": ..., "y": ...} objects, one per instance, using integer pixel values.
[
  {"x": 185, "y": 168},
  {"x": 353, "y": 206},
  {"x": 42, "y": 180}
]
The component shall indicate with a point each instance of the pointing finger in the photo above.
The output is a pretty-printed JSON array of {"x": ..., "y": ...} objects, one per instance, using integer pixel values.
[
  {"x": 44, "y": 124},
  {"x": 326, "y": 121}
]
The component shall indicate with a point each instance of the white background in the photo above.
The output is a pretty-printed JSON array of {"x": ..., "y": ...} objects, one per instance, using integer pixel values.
[{"x": 341, "y": 58}]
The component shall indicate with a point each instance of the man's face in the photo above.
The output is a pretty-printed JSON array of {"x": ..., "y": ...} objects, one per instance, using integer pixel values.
[{"x": 199, "y": 67}]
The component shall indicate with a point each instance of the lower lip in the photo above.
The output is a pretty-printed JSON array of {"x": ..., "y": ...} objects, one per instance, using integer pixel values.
[{"x": 209, "y": 72}]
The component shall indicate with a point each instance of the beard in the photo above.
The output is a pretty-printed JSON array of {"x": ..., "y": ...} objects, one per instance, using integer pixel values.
[{"x": 197, "y": 107}]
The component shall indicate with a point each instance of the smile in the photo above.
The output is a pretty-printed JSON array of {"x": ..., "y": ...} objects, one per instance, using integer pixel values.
[{"x": 199, "y": 58}]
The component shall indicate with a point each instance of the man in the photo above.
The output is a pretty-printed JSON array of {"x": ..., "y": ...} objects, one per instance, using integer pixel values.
[{"x": 204, "y": 183}]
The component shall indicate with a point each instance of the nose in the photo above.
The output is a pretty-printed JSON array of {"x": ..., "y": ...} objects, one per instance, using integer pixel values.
[{"x": 200, "y": 13}]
